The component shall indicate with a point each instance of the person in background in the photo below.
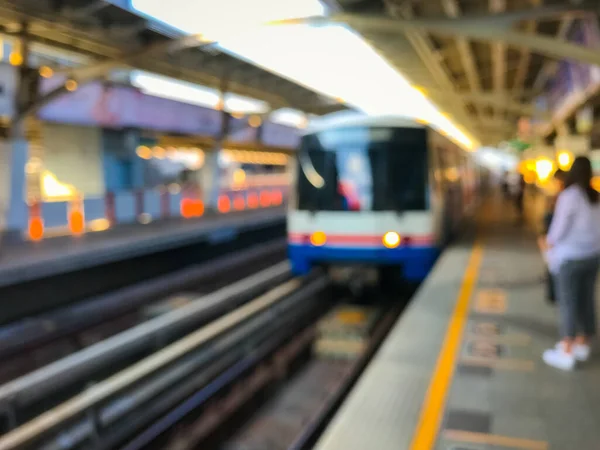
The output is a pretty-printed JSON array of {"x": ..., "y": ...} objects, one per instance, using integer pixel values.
[
  {"x": 573, "y": 254},
  {"x": 519, "y": 197},
  {"x": 505, "y": 185},
  {"x": 559, "y": 185}
]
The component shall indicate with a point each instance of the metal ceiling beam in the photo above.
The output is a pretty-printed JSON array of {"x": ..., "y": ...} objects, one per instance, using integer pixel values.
[
  {"x": 101, "y": 68},
  {"x": 498, "y": 52},
  {"x": 500, "y": 103},
  {"x": 503, "y": 20},
  {"x": 451, "y": 8},
  {"x": 550, "y": 47},
  {"x": 72, "y": 38},
  {"x": 521, "y": 74},
  {"x": 502, "y": 100},
  {"x": 425, "y": 49},
  {"x": 549, "y": 67}
]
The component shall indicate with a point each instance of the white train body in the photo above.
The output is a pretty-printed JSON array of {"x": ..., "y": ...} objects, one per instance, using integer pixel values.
[{"x": 376, "y": 191}]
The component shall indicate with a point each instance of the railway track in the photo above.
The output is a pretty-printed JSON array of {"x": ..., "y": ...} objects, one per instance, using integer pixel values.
[
  {"x": 35, "y": 342},
  {"x": 273, "y": 368},
  {"x": 34, "y": 393},
  {"x": 112, "y": 410},
  {"x": 288, "y": 399}
]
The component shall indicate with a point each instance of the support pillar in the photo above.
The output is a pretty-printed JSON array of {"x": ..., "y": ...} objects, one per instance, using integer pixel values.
[
  {"x": 211, "y": 174},
  {"x": 26, "y": 82}
]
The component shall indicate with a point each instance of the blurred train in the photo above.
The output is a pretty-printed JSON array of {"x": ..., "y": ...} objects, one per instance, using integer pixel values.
[{"x": 382, "y": 194}]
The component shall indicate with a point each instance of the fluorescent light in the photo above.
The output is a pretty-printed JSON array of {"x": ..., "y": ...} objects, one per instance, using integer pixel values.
[
  {"x": 191, "y": 93},
  {"x": 289, "y": 116}
]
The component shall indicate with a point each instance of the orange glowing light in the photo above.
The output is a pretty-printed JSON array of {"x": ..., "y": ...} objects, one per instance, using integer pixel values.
[
  {"x": 224, "y": 204},
  {"x": 15, "y": 58},
  {"x": 318, "y": 238},
  {"x": 252, "y": 200},
  {"x": 71, "y": 85},
  {"x": 76, "y": 222},
  {"x": 265, "y": 199},
  {"x": 254, "y": 121},
  {"x": 191, "y": 208},
  {"x": 36, "y": 228},
  {"x": 596, "y": 183},
  {"x": 46, "y": 72},
  {"x": 198, "y": 208},
  {"x": 186, "y": 208},
  {"x": 277, "y": 198},
  {"x": 239, "y": 203}
]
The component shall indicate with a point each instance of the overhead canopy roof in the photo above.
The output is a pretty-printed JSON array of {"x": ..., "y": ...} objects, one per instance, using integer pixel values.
[
  {"x": 480, "y": 61},
  {"x": 115, "y": 37}
]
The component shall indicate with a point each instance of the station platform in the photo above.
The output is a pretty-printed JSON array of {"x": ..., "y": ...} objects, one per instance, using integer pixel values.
[
  {"x": 462, "y": 367},
  {"x": 26, "y": 260}
]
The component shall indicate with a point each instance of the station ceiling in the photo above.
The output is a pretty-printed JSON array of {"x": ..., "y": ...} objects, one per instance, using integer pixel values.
[
  {"x": 480, "y": 61},
  {"x": 114, "y": 37}
]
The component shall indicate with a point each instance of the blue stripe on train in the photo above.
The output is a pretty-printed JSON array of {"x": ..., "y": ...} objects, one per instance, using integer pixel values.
[{"x": 416, "y": 262}]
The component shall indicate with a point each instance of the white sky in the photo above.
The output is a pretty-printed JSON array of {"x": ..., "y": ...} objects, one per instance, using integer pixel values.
[{"x": 330, "y": 59}]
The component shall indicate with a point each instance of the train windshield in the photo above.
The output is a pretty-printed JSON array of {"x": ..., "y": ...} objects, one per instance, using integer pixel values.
[{"x": 363, "y": 169}]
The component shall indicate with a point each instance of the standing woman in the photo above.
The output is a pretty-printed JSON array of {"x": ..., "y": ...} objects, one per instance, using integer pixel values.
[
  {"x": 559, "y": 180},
  {"x": 573, "y": 255}
]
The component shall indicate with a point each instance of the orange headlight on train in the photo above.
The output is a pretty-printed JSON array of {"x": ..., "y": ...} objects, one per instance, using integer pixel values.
[
  {"x": 391, "y": 239},
  {"x": 318, "y": 238}
]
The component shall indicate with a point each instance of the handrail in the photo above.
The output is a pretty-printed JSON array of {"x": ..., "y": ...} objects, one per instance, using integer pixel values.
[
  {"x": 118, "y": 382},
  {"x": 32, "y": 386}
]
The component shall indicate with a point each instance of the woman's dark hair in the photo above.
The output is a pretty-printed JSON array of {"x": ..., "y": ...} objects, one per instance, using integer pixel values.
[
  {"x": 560, "y": 175},
  {"x": 581, "y": 175}
]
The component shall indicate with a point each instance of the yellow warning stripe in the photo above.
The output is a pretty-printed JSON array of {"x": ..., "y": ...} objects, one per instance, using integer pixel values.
[{"x": 433, "y": 407}]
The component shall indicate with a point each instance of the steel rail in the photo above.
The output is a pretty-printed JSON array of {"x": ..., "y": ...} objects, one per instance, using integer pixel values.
[
  {"x": 104, "y": 390},
  {"x": 35, "y": 385}
]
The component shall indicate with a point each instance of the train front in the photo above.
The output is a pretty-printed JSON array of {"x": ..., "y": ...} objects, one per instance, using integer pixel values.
[{"x": 361, "y": 201}]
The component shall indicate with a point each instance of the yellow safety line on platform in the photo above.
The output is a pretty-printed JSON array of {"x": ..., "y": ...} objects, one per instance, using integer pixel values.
[
  {"x": 433, "y": 407},
  {"x": 495, "y": 440}
]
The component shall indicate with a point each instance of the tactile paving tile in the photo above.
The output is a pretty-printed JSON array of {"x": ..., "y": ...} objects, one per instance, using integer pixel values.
[
  {"x": 474, "y": 371},
  {"x": 473, "y": 421}
]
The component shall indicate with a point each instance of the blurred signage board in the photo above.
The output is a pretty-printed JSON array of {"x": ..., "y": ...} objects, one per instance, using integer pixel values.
[
  {"x": 278, "y": 135},
  {"x": 574, "y": 82},
  {"x": 118, "y": 107},
  {"x": 124, "y": 107}
]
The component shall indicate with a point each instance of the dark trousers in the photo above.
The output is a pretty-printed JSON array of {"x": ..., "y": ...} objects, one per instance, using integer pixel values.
[
  {"x": 550, "y": 288},
  {"x": 576, "y": 282}
]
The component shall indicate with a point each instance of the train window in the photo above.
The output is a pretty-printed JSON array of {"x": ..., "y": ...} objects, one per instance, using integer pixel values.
[{"x": 362, "y": 171}]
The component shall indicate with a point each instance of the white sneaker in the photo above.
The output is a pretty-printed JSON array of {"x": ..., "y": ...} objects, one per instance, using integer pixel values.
[
  {"x": 580, "y": 351},
  {"x": 558, "y": 358}
]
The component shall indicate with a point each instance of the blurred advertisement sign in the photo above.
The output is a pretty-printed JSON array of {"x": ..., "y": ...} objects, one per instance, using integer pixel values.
[
  {"x": 573, "y": 83},
  {"x": 117, "y": 107}
]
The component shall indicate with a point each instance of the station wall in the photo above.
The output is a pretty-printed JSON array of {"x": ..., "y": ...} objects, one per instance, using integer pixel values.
[{"x": 74, "y": 155}]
